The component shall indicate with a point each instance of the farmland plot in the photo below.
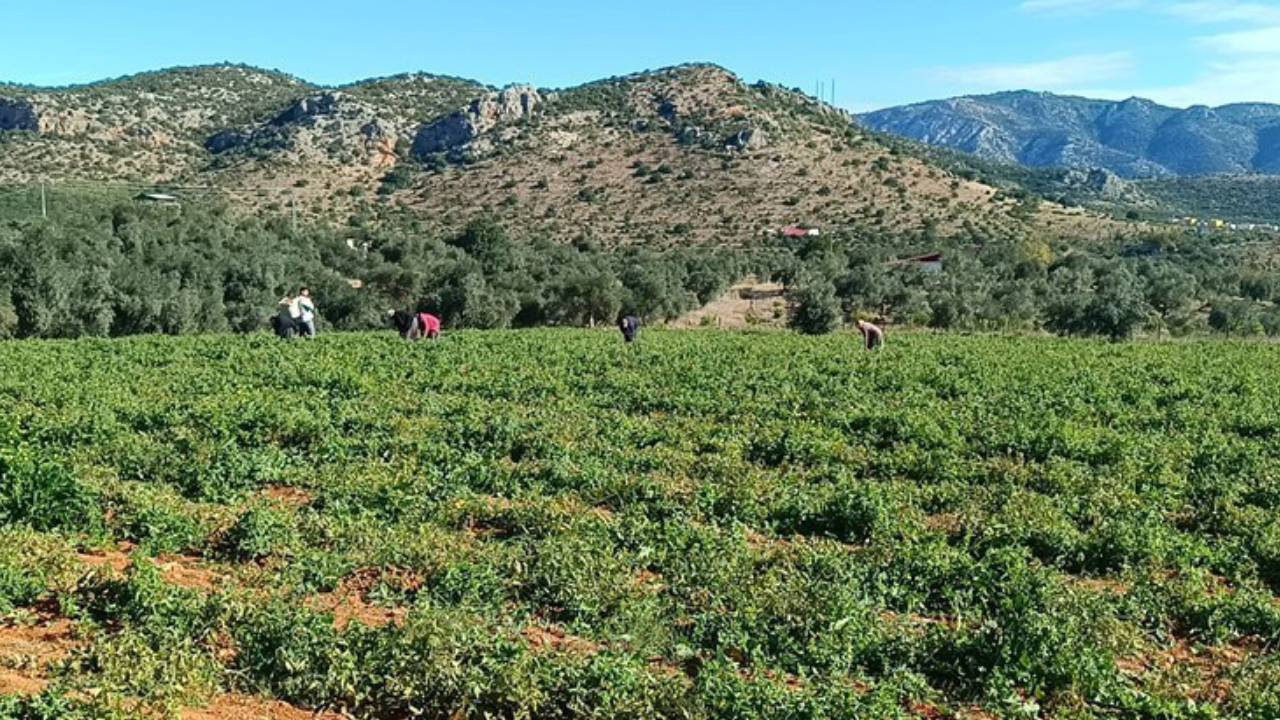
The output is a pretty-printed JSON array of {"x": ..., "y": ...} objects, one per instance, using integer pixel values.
[{"x": 549, "y": 524}]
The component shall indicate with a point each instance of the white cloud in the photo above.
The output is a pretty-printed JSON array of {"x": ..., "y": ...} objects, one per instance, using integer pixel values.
[
  {"x": 1241, "y": 63},
  {"x": 1078, "y": 6},
  {"x": 1047, "y": 75},
  {"x": 1264, "y": 41},
  {"x": 1254, "y": 79},
  {"x": 1244, "y": 64},
  {"x": 1222, "y": 11}
]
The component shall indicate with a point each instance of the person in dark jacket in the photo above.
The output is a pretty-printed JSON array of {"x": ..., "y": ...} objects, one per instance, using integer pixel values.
[
  {"x": 283, "y": 322},
  {"x": 630, "y": 327}
]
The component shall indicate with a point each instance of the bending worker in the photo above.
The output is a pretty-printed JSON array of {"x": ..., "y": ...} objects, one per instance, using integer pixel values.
[
  {"x": 872, "y": 335},
  {"x": 630, "y": 327}
]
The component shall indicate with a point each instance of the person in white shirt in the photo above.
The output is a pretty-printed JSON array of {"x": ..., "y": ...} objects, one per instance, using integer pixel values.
[
  {"x": 303, "y": 311},
  {"x": 872, "y": 335}
]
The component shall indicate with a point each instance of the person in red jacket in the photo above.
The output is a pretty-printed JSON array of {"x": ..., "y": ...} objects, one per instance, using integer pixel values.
[
  {"x": 428, "y": 326},
  {"x": 415, "y": 326}
]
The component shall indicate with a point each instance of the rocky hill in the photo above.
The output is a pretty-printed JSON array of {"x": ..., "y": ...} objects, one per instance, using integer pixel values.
[
  {"x": 681, "y": 155},
  {"x": 1134, "y": 138}
]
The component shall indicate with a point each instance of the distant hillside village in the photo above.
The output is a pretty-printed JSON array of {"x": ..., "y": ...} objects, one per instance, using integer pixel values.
[{"x": 1204, "y": 225}]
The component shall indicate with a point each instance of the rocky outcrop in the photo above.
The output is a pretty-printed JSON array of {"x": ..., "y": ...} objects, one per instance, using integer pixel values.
[
  {"x": 379, "y": 143},
  {"x": 69, "y": 123},
  {"x": 224, "y": 141},
  {"x": 327, "y": 125},
  {"x": 461, "y": 128},
  {"x": 749, "y": 139},
  {"x": 450, "y": 132},
  {"x": 18, "y": 116},
  {"x": 150, "y": 136},
  {"x": 667, "y": 110},
  {"x": 310, "y": 108},
  {"x": 1103, "y": 183}
]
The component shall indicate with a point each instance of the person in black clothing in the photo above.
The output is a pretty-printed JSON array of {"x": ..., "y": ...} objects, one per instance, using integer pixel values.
[
  {"x": 402, "y": 321},
  {"x": 630, "y": 327},
  {"x": 283, "y": 323}
]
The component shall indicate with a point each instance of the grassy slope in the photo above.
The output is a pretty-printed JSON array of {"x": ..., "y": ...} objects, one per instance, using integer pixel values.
[{"x": 581, "y": 169}]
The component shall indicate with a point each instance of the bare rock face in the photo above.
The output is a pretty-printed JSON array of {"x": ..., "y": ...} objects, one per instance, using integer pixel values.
[
  {"x": 749, "y": 139},
  {"x": 310, "y": 108},
  {"x": 68, "y": 123},
  {"x": 224, "y": 141},
  {"x": 327, "y": 126},
  {"x": 150, "y": 136},
  {"x": 452, "y": 131},
  {"x": 18, "y": 116},
  {"x": 1103, "y": 183},
  {"x": 379, "y": 143},
  {"x": 461, "y": 128},
  {"x": 667, "y": 110}
]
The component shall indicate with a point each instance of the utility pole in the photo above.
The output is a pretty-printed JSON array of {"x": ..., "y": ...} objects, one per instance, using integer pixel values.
[
  {"x": 44, "y": 205},
  {"x": 833, "y": 91}
]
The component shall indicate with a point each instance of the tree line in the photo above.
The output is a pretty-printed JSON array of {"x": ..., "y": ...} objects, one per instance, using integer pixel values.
[
  {"x": 122, "y": 268},
  {"x": 107, "y": 267},
  {"x": 1164, "y": 282}
]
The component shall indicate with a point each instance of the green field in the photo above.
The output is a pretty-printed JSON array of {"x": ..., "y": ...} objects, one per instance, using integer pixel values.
[{"x": 549, "y": 524}]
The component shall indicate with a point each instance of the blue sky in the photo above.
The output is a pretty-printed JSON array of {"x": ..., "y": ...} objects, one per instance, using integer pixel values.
[{"x": 879, "y": 52}]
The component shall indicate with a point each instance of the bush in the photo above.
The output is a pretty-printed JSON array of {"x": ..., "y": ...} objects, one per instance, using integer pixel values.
[
  {"x": 1236, "y": 317},
  {"x": 44, "y": 495},
  {"x": 814, "y": 307},
  {"x": 261, "y": 531}
]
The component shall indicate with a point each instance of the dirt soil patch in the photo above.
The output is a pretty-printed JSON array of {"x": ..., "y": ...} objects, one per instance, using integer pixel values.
[
  {"x": 917, "y": 623},
  {"x": 26, "y": 651},
  {"x": 649, "y": 581},
  {"x": 180, "y": 570},
  {"x": 749, "y": 304},
  {"x": 294, "y": 497},
  {"x": 114, "y": 561},
  {"x": 1205, "y": 672},
  {"x": 946, "y": 523},
  {"x": 1104, "y": 586},
  {"x": 973, "y": 713},
  {"x": 349, "y": 603},
  {"x": 554, "y": 639},
  {"x": 246, "y": 707},
  {"x": 188, "y": 572}
]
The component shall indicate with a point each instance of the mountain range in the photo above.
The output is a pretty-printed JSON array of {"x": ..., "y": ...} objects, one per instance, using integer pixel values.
[
  {"x": 680, "y": 155},
  {"x": 1133, "y": 138}
]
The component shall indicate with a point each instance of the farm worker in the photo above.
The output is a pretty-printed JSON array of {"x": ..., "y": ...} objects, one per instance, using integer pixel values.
[
  {"x": 303, "y": 311},
  {"x": 415, "y": 326},
  {"x": 428, "y": 326},
  {"x": 402, "y": 321},
  {"x": 283, "y": 322},
  {"x": 872, "y": 335},
  {"x": 630, "y": 327}
]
